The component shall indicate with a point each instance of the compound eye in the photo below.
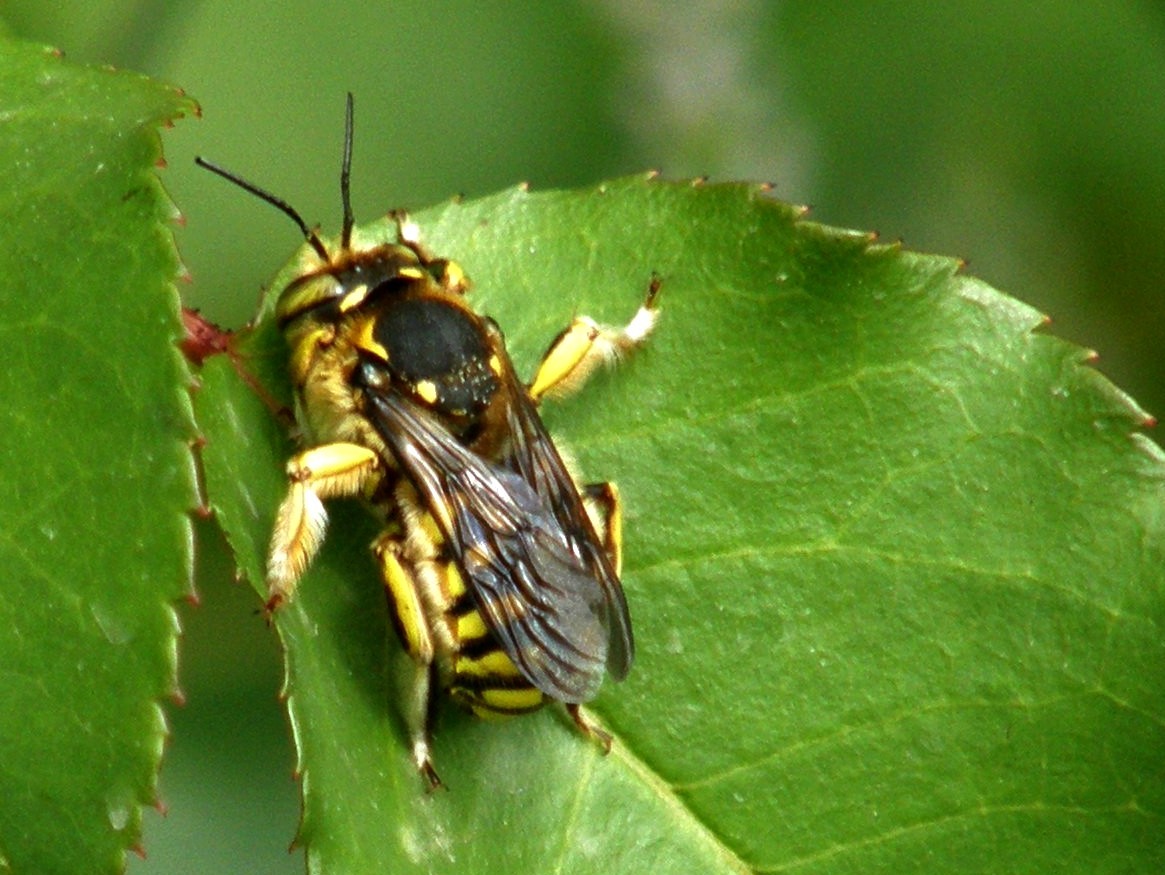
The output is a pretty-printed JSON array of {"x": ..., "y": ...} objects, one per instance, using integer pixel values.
[{"x": 440, "y": 352}]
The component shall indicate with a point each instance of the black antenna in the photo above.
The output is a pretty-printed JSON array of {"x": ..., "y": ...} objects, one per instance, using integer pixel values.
[
  {"x": 346, "y": 179},
  {"x": 279, "y": 203}
]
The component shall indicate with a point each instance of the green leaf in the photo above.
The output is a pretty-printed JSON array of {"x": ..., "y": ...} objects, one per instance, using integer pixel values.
[
  {"x": 894, "y": 558},
  {"x": 96, "y": 473}
]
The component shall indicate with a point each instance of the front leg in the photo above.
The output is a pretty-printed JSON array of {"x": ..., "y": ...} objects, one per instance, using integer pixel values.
[
  {"x": 584, "y": 345},
  {"x": 329, "y": 471}
]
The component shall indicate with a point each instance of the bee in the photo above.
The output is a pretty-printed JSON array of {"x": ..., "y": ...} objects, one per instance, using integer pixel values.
[{"x": 501, "y": 571}]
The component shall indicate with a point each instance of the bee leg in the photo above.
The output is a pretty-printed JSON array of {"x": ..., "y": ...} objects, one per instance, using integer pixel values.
[
  {"x": 411, "y": 626},
  {"x": 589, "y": 728},
  {"x": 328, "y": 471},
  {"x": 584, "y": 345},
  {"x": 605, "y": 509}
]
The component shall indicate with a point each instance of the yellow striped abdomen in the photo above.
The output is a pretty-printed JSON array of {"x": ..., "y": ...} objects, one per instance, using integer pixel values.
[{"x": 482, "y": 677}]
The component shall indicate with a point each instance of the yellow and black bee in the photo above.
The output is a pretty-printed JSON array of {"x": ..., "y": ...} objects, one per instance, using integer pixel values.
[{"x": 502, "y": 573}]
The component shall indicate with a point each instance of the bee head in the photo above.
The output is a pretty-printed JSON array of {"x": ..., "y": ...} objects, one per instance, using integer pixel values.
[{"x": 338, "y": 276}]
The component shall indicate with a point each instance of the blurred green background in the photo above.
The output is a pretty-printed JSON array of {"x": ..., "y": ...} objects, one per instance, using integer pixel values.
[{"x": 1027, "y": 137}]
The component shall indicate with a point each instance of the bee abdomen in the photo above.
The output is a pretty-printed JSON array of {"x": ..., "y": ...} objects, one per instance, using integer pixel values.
[
  {"x": 495, "y": 696},
  {"x": 484, "y": 678}
]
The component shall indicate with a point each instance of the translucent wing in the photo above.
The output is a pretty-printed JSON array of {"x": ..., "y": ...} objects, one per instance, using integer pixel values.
[
  {"x": 534, "y": 457},
  {"x": 538, "y": 574}
]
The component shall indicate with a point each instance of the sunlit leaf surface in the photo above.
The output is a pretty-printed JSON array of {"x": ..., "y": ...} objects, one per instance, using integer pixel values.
[{"x": 894, "y": 559}]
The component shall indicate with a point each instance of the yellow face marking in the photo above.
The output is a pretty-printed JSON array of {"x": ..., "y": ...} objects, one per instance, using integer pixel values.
[
  {"x": 365, "y": 340},
  {"x": 427, "y": 390},
  {"x": 495, "y": 365},
  {"x": 305, "y": 292},
  {"x": 411, "y": 273},
  {"x": 354, "y": 298}
]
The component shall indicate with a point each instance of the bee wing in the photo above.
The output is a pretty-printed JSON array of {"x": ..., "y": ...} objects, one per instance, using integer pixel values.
[
  {"x": 534, "y": 456},
  {"x": 532, "y": 580}
]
